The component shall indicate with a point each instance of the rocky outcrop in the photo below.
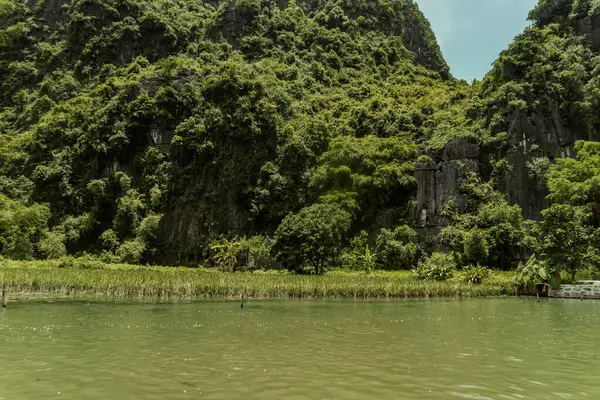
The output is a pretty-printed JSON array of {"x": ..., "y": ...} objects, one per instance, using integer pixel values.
[
  {"x": 529, "y": 136},
  {"x": 590, "y": 28},
  {"x": 233, "y": 21},
  {"x": 405, "y": 21},
  {"x": 53, "y": 13},
  {"x": 440, "y": 181},
  {"x": 419, "y": 38}
]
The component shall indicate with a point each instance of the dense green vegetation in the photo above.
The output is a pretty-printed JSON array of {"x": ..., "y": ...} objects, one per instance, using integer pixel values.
[
  {"x": 146, "y": 129},
  {"x": 250, "y": 135},
  {"x": 548, "y": 78}
]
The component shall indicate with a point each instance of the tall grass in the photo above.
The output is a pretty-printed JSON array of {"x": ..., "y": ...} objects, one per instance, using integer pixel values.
[{"x": 138, "y": 281}]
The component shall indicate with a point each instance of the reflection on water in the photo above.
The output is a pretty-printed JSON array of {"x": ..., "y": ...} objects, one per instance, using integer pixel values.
[{"x": 470, "y": 349}]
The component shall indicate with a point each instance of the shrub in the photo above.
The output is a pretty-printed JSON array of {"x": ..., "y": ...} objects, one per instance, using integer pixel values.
[
  {"x": 254, "y": 254},
  {"x": 347, "y": 259},
  {"x": 366, "y": 260},
  {"x": 359, "y": 256},
  {"x": 475, "y": 274},
  {"x": 52, "y": 245},
  {"x": 108, "y": 257},
  {"x": 109, "y": 239},
  {"x": 468, "y": 247},
  {"x": 240, "y": 254},
  {"x": 538, "y": 169},
  {"x": 438, "y": 267},
  {"x": 224, "y": 254},
  {"x": 453, "y": 237},
  {"x": 129, "y": 211},
  {"x": 84, "y": 262},
  {"x": 490, "y": 234},
  {"x": 131, "y": 251},
  {"x": 565, "y": 236},
  {"x": 396, "y": 249},
  {"x": 20, "y": 226},
  {"x": 424, "y": 159},
  {"x": 148, "y": 226},
  {"x": 476, "y": 246}
]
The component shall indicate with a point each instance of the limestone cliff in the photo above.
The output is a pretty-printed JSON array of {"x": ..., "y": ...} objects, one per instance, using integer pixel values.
[
  {"x": 535, "y": 108},
  {"x": 149, "y": 128}
]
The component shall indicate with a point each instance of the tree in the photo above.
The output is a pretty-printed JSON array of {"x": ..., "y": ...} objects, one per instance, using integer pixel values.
[
  {"x": 491, "y": 233},
  {"x": 21, "y": 227},
  {"x": 577, "y": 181},
  {"x": 565, "y": 236},
  {"x": 548, "y": 11},
  {"x": 567, "y": 233},
  {"x": 378, "y": 172},
  {"x": 312, "y": 236}
]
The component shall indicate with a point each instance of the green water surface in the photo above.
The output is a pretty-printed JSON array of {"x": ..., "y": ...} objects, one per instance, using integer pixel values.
[{"x": 472, "y": 349}]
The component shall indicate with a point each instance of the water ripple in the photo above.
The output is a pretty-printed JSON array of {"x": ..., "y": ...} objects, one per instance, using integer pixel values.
[{"x": 472, "y": 349}]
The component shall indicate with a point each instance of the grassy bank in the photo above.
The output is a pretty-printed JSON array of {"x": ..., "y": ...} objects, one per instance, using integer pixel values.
[{"x": 50, "y": 279}]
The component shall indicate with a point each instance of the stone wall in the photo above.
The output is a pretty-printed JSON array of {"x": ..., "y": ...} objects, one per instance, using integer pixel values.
[{"x": 583, "y": 290}]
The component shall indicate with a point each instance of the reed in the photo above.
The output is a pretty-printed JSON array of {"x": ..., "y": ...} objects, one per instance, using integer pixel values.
[{"x": 165, "y": 282}]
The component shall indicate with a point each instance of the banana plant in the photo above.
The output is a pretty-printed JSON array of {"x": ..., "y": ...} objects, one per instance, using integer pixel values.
[{"x": 367, "y": 261}]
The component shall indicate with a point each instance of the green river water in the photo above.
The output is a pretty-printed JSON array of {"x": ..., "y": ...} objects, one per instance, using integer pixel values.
[{"x": 472, "y": 349}]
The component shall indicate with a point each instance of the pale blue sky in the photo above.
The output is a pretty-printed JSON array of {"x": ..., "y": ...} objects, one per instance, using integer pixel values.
[{"x": 472, "y": 33}]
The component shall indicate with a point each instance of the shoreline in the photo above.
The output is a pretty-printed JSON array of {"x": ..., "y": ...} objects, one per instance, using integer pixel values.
[
  {"x": 48, "y": 279},
  {"x": 49, "y": 298}
]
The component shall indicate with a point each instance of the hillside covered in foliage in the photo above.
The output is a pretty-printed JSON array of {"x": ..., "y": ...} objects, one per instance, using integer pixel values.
[{"x": 245, "y": 132}]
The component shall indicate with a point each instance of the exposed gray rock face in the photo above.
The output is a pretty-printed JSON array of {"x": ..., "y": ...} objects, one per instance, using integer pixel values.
[
  {"x": 590, "y": 27},
  {"x": 529, "y": 136},
  {"x": 524, "y": 134},
  {"x": 408, "y": 23},
  {"x": 53, "y": 13},
  {"x": 415, "y": 36},
  {"x": 233, "y": 22},
  {"x": 538, "y": 134},
  {"x": 161, "y": 137},
  {"x": 439, "y": 182}
]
